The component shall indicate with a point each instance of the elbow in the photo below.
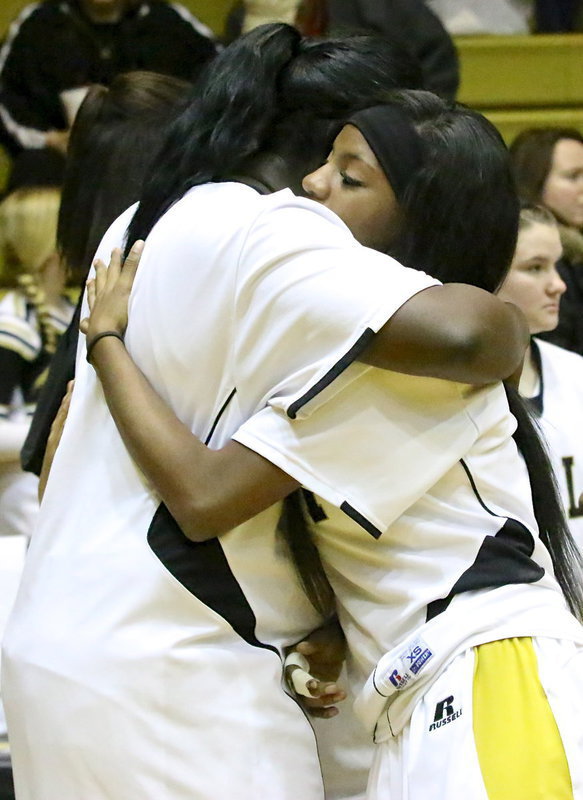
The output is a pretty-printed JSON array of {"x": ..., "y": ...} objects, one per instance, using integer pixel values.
[
  {"x": 493, "y": 353},
  {"x": 198, "y": 521}
]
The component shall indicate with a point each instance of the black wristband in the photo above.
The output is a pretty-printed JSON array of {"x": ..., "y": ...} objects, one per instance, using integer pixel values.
[{"x": 97, "y": 337}]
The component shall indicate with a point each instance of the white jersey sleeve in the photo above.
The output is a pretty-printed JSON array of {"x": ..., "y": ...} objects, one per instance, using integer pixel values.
[
  {"x": 309, "y": 300},
  {"x": 402, "y": 434}
]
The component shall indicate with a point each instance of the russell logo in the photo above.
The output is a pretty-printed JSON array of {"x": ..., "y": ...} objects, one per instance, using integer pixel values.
[
  {"x": 444, "y": 713},
  {"x": 397, "y": 680},
  {"x": 410, "y": 662}
]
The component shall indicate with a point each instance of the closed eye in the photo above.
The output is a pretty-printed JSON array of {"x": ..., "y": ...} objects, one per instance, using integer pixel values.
[{"x": 347, "y": 180}]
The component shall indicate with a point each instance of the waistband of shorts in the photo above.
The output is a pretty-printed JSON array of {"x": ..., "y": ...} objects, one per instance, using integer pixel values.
[{"x": 402, "y": 675}]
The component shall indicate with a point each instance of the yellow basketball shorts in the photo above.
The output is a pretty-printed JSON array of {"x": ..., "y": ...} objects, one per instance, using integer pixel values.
[{"x": 504, "y": 721}]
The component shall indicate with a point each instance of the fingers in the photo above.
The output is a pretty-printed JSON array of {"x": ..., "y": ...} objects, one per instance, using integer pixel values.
[
  {"x": 325, "y": 694},
  {"x": 91, "y": 293},
  {"x": 325, "y": 657},
  {"x": 100, "y": 276},
  {"x": 64, "y": 408},
  {"x": 118, "y": 272},
  {"x": 323, "y": 703},
  {"x": 131, "y": 263},
  {"x": 114, "y": 269},
  {"x": 302, "y": 682},
  {"x": 317, "y": 693},
  {"x": 306, "y": 648},
  {"x": 323, "y": 713}
]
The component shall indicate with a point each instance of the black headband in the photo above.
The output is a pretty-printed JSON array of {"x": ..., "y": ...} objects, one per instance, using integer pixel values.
[{"x": 394, "y": 141}]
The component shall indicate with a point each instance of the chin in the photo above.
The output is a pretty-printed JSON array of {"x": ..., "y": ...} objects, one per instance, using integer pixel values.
[{"x": 549, "y": 326}]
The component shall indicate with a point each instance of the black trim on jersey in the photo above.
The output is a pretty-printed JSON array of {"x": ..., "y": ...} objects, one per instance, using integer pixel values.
[
  {"x": 315, "y": 510},
  {"x": 537, "y": 401},
  {"x": 260, "y": 186},
  {"x": 220, "y": 414},
  {"x": 374, "y": 683},
  {"x": 339, "y": 367},
  {"x": 502, "y": 559},
  {"x": 202, "y": 568},
  {"x": 360, "y": 520}
]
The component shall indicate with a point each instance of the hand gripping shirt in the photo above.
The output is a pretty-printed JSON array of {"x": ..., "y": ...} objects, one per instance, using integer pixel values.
[{"x": 155, "y": 658}]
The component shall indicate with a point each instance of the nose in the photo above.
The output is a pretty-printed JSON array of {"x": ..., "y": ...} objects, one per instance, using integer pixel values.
[
  {"x": 316, "y": 185},
  {"x": 557, "y": 285}
]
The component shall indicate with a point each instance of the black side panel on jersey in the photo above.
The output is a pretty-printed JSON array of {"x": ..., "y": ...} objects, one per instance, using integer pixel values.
[
  {"x": 502, "y": 560},
  {"x": 203, "y": 569}
]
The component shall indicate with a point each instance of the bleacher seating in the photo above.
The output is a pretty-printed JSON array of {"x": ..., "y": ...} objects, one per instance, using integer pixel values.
[
  {"x": 517, "y": 81},
  {"x": 523, "y": 81}
]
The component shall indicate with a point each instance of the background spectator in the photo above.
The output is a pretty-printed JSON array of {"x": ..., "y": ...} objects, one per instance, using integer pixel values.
[
  {"x": 548, "y": 168},
  {"x": 507, "y": 16},
  {"x": 557, "y": 16},
  {"x": 114, "y": 141},
  {"x": 33, "y": 313},
  {"x": 477, "y": 17},
  {"x": 411, "y": 23},
  {"x": 56, "y": 48},
  {"x": 552, "y": 378}
]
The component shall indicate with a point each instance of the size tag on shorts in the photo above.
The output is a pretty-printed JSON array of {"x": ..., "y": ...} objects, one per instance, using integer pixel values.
[{"x": 405, "y": 668}]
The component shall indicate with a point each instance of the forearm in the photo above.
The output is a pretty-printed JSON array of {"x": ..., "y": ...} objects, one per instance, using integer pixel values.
[
  {"x": 455, "y": 332},
  {"x": 207, "y": 491}
]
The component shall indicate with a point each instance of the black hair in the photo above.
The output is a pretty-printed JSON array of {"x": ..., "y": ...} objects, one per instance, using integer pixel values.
[
  {"x": 460, "y": 209},
  {"x": 269, "y": 92},
  {"x": 553, "y": 527},
  {"x": 113, "y": 143},
  {"x": 326, "y": 81},
  {"x": 224, "y": 122},
  {"x": 460, "y": 218}
]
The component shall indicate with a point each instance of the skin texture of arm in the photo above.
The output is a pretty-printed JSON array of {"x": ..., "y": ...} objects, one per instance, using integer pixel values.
[
  {"x": 456, "y": 332},
  {"x": 209, "y": 492}
]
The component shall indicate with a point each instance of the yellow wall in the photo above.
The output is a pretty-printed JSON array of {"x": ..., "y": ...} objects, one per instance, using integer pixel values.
[{"x": 212, "y": 12}]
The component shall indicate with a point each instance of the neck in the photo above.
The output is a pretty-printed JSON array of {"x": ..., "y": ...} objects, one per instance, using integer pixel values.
[{"x": 271, "y": 170}]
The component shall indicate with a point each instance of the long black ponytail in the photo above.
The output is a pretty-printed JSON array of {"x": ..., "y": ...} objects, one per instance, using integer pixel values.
[
  {"x": 230, "y": 111},
  {"x": 553, "y": 528}
]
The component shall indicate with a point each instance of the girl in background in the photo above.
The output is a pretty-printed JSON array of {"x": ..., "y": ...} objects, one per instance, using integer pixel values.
[
  {"x": 34, "y": 311},
  {"x": 548, "y": 168},
  {"x": 113, "y": 142},
  {"x": 552, "y": 377}
]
